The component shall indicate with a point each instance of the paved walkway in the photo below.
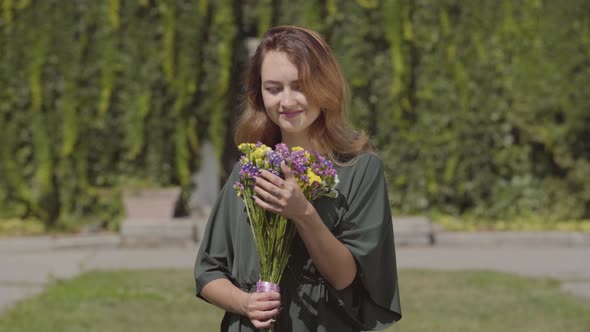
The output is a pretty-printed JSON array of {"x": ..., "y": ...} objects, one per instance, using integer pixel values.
[{"x": 27, "y": 266}]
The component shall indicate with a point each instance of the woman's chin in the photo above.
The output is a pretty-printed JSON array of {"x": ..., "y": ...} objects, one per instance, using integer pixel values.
[{"x": 292, "y": 129}]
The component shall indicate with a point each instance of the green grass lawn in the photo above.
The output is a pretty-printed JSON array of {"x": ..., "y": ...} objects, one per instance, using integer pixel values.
[{"x": 163, "y": 300}]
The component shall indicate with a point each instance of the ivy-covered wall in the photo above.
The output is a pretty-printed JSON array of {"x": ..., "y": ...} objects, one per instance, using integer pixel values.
[{"x": 476, "y": 106}]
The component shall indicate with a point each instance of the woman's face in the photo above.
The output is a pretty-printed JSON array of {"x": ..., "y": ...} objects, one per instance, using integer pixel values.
[{"x": 284, "y": 100}]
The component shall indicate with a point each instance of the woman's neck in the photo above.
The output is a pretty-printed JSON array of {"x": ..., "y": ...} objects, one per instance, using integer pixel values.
[{"x": 303, "y": 141}]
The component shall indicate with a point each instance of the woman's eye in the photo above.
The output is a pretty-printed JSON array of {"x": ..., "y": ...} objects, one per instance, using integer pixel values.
[{"x": 273, "y": 90}]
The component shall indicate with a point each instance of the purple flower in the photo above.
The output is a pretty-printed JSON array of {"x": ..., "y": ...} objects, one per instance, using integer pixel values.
[
  {"x": 283, "y": 150},
  {"x": 239, "y": 187},
  {"x": 274, "y": 160}
]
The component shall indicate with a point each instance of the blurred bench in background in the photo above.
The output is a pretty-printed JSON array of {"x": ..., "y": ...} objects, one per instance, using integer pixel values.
[{"x": 413, "y": 230}]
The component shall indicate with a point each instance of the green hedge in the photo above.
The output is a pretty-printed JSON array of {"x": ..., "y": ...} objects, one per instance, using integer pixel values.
[{"x": 478, "y": 107}]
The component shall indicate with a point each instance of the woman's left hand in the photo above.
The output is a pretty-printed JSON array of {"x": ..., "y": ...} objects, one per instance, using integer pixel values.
[{"x": 280, "y": 196}]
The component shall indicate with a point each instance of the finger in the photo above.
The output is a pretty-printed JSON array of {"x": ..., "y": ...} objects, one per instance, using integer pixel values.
[
  {"x": 269, "y": 188},
  {"x": 265, "y": 205},
  {"x": 263, "y": 315},
  {"x": 272, "y": 178},
  {"x": 267, "y": 296},
  {"x": 286, "y": 171},
  {"x": 268, "y": 305},
  {"x": 270, "y": 296},
  {"x": 267, "y": 185},
  {"x": 265, "y": 195},
  {"x": 258, "y": 324}
]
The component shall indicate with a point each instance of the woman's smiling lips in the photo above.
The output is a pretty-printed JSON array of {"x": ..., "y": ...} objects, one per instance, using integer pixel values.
[{"x": 290, "y": 114}]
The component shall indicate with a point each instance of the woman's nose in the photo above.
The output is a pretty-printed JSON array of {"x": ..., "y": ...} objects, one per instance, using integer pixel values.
[{"x": 288, "y": 98}]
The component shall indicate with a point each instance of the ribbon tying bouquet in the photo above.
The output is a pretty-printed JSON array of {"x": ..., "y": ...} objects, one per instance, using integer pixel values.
[{"x": 273, "y": 233}]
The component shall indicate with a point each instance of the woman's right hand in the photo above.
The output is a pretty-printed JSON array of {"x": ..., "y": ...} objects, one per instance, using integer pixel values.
[{"x": 261, "y": 308}]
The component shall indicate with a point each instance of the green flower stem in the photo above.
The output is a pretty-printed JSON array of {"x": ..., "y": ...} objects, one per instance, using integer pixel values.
[{"x": 273, "y": 236}]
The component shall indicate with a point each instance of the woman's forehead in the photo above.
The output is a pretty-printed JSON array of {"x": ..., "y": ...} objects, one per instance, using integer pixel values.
[{"x": 276, "y": 66}]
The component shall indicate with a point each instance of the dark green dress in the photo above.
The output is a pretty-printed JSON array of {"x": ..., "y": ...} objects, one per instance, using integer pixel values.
[{"x": 359, "y": 217}]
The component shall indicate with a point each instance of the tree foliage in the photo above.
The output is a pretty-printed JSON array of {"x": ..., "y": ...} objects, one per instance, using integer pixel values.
[{"x": 477, "y": 107}]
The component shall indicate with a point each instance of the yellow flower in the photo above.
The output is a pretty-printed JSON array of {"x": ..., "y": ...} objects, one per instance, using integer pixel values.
[
  {"x": 259, "y": 155},
  {"x": 301, "y": 185},
  {"x": 312, "y": 177},
  {"x": 297, "y": 148},
  {"x": 246, "y": 148}
]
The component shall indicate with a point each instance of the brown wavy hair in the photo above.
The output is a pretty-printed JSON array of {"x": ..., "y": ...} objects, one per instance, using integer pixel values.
[{"x": 323, "y": 84}]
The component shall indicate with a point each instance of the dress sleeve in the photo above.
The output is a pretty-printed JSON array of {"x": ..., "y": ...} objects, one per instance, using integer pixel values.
[
  {"x": 215, "y": 254},
  {"x": 366, "y": 229}
]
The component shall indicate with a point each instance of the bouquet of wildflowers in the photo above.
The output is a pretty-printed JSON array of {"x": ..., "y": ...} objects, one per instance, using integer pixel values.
[{"x": 273, "y": 234}]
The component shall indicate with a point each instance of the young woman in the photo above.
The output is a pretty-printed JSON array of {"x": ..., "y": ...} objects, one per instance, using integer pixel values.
[{"x": 342, "y": 272}]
